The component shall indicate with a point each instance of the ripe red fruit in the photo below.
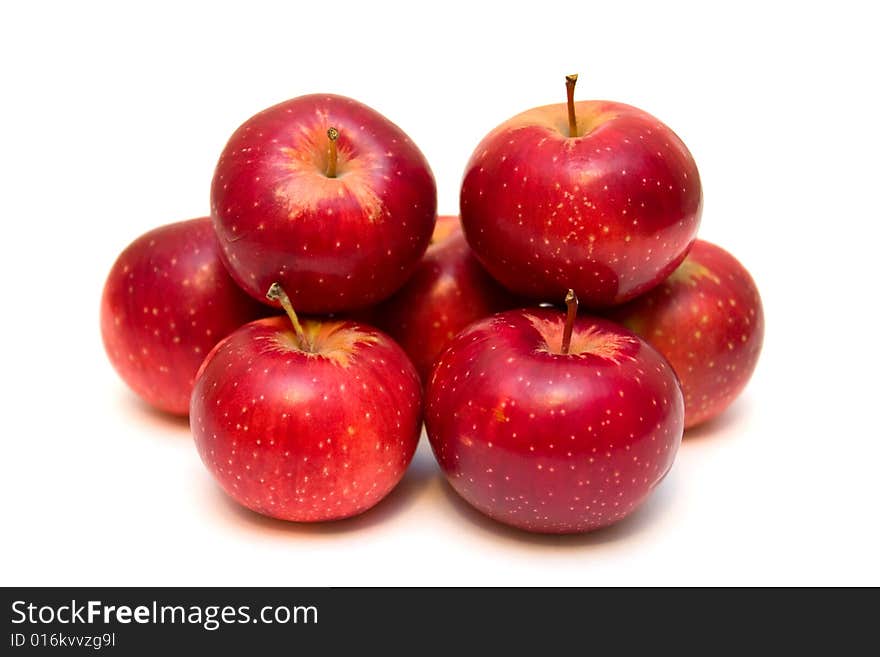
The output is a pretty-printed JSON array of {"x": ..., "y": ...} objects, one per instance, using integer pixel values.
[
  {"x": 448, "y": 290},
  {"x": 313, "y": 423},
  {"x": 550, "y": 439},
  {"x": 326, "y": 196},
  {"x": 609, "y": 212},
  {"x": 707, "y": 319},
  {"x": 167, "y": 301}
]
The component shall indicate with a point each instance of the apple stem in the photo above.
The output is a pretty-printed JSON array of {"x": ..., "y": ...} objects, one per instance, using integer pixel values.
[
  {"x": 571, "y": 303},
  {"x": 277, "y": 293},
  {"x": 332, "y": 135},
  {"x": 570, "y": 81}
]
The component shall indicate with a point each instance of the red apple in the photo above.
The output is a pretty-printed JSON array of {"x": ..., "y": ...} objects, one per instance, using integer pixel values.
[
  {"x": 167, "y": 301},
  {"x": 326, "y": 196},
  {"x": 312, "y": 422},
  {"x": 596, "y": 196},
  {"x": 707, "y": 319},
  {"x": 550, "y": 438},
  {"x": 448, "y": 290}
]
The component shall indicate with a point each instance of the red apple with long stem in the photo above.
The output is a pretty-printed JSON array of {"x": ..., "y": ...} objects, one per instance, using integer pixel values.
[
  {"x": 306, "y": 421},
  {"x": 326, "y": 196},
  {"x": 167, "y": 301},
  {"x": 553, "y": 423},
  {"x": 448, "y": 290},
  {"x": 707, "y": 319},
  {"x": 597, "y": 196}
]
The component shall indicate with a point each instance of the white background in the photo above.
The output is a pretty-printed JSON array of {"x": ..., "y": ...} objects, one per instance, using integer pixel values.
[{"x": 112, "y": 120}]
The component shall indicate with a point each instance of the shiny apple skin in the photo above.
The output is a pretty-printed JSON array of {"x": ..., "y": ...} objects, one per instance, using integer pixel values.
[
  {"x": 708, "y": 320},
  {"x": 302, "y": 436},
  {"x": 548, "y": 442},
  {"x": 609, "y": 213},
  {"x": 334, "y": 244},
  {"x": 448, "y": 291},
  {"x": 166, "y": 302}
]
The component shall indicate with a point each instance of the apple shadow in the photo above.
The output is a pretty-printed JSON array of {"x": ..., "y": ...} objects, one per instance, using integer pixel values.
[
  {"x": 636, "y": 522},
  {"x": 421, "y": 471},
  {"x": 135, "y": 406},
  {"x": 730, "y": 418}
]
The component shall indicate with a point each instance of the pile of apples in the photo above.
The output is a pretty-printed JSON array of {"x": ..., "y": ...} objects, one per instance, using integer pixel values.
[{"x": 541, "y": 417}]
